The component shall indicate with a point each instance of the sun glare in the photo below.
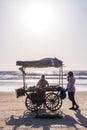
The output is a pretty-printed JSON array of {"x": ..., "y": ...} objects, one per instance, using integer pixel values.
[{"x": 40, "y": 17}]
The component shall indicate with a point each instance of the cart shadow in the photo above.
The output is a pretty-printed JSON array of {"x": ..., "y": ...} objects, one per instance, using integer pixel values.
[
  {"x": 81, "y": 118},
  {"x": 28, "y": 120}
]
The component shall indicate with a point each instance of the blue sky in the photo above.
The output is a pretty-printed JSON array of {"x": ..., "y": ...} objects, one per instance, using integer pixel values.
[{"x": 35, "y": 29}]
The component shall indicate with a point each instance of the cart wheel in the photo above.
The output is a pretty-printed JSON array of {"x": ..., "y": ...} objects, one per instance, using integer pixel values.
[
  {"x": 32, "y": 106},
  {"x": 59, "y": 104},
  {"x": 53, "y": 102}
]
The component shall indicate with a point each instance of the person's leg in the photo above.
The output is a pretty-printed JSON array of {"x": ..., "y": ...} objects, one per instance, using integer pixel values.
[
  {"x": 72, "y": 98},
  {"x": 70, "y": 95},
  {"x": 74, "y": 102}
]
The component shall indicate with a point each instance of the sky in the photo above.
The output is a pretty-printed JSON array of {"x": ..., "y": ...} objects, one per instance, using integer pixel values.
[{"x": 36, "y": 29}]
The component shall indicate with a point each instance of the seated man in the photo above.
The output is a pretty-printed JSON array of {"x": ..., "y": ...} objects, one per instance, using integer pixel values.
[{"x": 42, "y": 83}]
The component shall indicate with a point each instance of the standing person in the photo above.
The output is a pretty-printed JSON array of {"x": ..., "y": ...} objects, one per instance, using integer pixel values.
[{"x": 71, "y": 90}]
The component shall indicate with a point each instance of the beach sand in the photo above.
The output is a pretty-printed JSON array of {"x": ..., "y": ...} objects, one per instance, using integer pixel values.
[{"x": 14, "y": 115}]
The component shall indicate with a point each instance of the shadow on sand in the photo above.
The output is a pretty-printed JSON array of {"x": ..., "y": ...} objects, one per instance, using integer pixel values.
[
  {"x": 81, "y": 119},
  {"x": 28, "y": 120}
]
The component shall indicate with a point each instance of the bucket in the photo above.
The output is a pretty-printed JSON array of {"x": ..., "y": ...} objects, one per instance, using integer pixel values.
[{"x": 63, "y": 94}]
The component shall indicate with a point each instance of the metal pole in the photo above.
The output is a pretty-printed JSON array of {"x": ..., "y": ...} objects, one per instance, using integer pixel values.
[
  {"x": 62, "y": 76},
  {"x": 59, "y": 77},
  {"x": 23, "y": 78}
]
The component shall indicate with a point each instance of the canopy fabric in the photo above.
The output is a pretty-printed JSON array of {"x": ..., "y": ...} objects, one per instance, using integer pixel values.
[{"x": 46, "y": 62}]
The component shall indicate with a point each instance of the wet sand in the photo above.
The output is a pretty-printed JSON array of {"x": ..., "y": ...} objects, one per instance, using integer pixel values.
[{"x": 15, "y": 116}]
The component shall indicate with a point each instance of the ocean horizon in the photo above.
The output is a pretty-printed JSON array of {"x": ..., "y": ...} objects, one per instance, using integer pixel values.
[{"x": 11, "y": 80}]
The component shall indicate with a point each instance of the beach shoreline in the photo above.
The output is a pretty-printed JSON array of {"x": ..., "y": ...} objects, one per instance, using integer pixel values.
[{"x": 14, "y": 114}]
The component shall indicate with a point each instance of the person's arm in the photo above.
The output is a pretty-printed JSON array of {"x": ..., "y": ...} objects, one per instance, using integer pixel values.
[
  {"x": 47, "y": 84},
  {"x": 38, "y": 84}
]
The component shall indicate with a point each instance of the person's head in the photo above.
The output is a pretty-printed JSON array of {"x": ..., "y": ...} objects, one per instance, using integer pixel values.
[
  {"x": 43, "y": 77},
  {"x": 70, "y": 74}
]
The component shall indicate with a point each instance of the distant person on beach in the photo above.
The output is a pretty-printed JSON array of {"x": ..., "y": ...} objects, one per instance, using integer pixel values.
[{"x": 71, "y": 90}]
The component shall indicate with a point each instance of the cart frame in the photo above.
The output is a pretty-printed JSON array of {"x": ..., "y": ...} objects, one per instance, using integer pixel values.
[{"x": 52, "y": 99}]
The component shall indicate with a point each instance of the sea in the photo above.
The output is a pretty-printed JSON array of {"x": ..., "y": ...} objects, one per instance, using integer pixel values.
[{"x": 12, "y": 80}]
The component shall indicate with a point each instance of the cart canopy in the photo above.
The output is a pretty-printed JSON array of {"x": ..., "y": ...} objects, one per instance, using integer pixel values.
[{"x": 46, "y": 62}]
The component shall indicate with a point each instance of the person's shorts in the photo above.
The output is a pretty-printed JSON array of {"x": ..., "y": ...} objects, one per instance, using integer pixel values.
[{"x": 71, "y": 95}]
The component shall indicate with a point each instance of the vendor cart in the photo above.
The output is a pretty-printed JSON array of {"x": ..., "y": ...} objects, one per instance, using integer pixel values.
[{"x": 52, "y": 100}]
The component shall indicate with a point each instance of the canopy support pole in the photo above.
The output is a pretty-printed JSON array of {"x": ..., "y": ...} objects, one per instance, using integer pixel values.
[
  {"x": 61, "y": 76},
  {"x": 23, "y": 72}
]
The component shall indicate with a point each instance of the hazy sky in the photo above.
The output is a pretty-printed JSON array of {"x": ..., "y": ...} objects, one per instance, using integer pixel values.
[{"x": 36, "y": 29}]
